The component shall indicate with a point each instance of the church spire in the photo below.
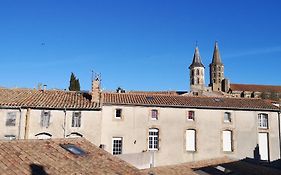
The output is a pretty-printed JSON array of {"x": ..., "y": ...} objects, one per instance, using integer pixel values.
[
  {"x": 196, "y": 62},
  {"x": 216, "y": 55}
]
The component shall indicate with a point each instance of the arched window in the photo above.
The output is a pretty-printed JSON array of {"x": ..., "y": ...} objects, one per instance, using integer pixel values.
[
  {"x": 43, "y": 135},
  {"x": 153, "y": 139},
  {"x": 192, "y": 72},
  {"x": 197, "y": 72},
  {"x": 192, "y": 81},
  {"x": 74, "y": 135}
]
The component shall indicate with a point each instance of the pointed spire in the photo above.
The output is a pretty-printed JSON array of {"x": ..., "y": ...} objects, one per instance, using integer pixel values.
[
  {"x": 216, "y": 55},
  {"x": 196, "y": 62}
]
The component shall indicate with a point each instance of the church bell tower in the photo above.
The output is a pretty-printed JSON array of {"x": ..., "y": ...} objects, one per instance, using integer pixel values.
[
  {"x": 216, "y": 70},
  {"x": 197, "y": 79}
]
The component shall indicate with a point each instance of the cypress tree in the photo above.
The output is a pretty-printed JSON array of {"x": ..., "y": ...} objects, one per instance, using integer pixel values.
[{"x": 74, "y": 84}]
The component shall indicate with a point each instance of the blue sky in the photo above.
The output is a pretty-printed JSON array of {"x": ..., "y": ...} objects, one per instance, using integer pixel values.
[{"x": 137, "y": 44}]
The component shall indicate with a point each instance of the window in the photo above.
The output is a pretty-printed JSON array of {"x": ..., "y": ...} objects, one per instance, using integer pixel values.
[
  {"x": 197, "y": 72},
  {"x": 154, "y": 114},
  {"x": 192, "y": 81},
  {"x": 263, "y": 121},
  {"x": 118, "y": 113},
  {"x": 11, "y": 119},
  {"x": 45, "y": 118},
  {"x": 227, "y": 141},
  {"x": 190, "y": 115},
  {"x": 227, "y": 117},
  {"x": 190, "y": 140},
  {"x": 192, "y": 72},
  {"x": 198, "y": 80},
  {"x": 10, "y": 137},
  {"x": 153, "y": 139},
  {"x": 116, "y": 145},
  {"x": 76, "y": 119},
  {"x": 73, "y": 149}
]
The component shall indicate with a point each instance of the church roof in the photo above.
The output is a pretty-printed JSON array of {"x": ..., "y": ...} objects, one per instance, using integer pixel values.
[
  {"x": 255, "y": 88},
  {"x": 181, "y": 101},
  {"x": 216, "y": 55},
  {"x": 55, "y": 99},
  {"x": 196, "y": 62}
]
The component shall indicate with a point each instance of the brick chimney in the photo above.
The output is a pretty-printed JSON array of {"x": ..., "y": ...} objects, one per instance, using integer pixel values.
[{"x": 96, "y": 91}]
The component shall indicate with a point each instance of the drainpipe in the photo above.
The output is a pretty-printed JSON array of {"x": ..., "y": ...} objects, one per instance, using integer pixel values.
[
  {"x": 26, "y": 129},
  {"x": 64, "y": 124},
  {"x": 279, "y": 129},
  {"x": 19, "y": 123}
]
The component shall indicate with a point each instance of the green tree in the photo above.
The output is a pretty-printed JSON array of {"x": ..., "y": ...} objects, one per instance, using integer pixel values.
[{"x": 74, "y": 84}]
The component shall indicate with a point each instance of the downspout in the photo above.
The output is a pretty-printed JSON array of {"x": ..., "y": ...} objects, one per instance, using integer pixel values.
[
  {"x": 19, "y": 129},
  {"x": 64, "y": 124},
  {"x": 279, "y": 129},
  {"x": 26, "y": 129}
]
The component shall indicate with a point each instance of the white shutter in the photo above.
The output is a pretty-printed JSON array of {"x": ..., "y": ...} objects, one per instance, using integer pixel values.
[
  {"x": 226, "y": 136},
  {"x": 263, "y": 146},
  {"x": 190, "y": 140}
]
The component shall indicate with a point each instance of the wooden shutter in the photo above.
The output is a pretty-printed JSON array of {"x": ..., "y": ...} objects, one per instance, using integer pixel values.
[
  {"x": 190, "y": 140},
  {"x": 263, "y": 146},
  {"x": 227, "y": 140}
]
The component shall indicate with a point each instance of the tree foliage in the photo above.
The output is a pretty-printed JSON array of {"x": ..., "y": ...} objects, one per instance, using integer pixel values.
[{"x": 74, "y": 84}]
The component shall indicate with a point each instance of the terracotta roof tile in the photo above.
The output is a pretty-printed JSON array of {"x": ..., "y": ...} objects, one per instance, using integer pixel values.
[
  {"x": 186, "y": 101},
  {"x": 46, "y": 99},
  {"x": 47, "y": 156},
  {"x": 239, "y": 167},
  {"x": 255, "y": 88}
]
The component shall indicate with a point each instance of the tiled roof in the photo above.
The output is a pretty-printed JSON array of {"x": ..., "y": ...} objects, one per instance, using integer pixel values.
[
  {"x": 255, "y": 88},
  {"x": 48, "y": 157},
  {"x": 186, "y": 101},
  {"x": 46, "y": 99},
  {"x": 238, "y": 167}
]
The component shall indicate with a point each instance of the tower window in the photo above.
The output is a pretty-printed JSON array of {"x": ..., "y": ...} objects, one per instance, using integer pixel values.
[
  {"x": 192, "y": 72},
  {"x": 197, "y": 72},
  {"x": 192, "y": 81},
  {"x": 198, "y": 80},
  {"x": 214, "y": 81}
]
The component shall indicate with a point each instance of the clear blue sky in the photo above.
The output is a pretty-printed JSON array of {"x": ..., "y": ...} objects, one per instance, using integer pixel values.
[{"x": 137, "y": 44}]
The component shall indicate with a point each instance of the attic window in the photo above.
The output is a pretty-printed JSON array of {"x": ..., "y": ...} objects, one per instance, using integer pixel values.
[
  {"x": 149, "y": 98},
  {"x": 218, "y": 100},
  {"x": 73, "y": 149}
]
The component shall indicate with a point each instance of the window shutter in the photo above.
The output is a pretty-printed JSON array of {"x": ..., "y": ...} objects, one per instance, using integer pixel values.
[
  {"x": 226, "y": 140},
  {"x": 190, "y": 140},
  {"x": 42, "y": 118},
  {"x": 73, "y": 119}
]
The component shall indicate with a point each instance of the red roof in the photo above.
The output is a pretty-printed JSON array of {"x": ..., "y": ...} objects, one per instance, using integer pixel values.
[
  {"x": 31, "y": 98},
  {"x": 186, "y": 101},
  {"x": 255, "y": 88}
]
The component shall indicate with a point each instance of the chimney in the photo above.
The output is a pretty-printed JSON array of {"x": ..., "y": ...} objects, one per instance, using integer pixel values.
[
  {"x": 96, "y": 95},
  {"x": 44, "y": 87}
]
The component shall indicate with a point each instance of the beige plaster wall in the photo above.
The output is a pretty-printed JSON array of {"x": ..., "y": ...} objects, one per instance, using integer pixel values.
[{"x": 172, "y": 124}]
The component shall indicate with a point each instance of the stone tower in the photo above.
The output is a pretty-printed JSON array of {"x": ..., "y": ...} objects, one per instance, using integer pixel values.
[
  {"x": 216, "y": 70},
  {"x": 197, "y": 79}
]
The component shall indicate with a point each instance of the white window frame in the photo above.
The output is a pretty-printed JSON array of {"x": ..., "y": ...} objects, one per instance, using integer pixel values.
[
  {"x": 190, "y": 135},
  {"x": 117, "y": 145},
  {"x": 10, "y": 137},
  {"x": 45, "y": 118},
  {"x": 227, "y": 117},
  {"x": 120, "y": 115},
  {"x": 263, "y": 121},
  {"x": 227, "y": 141},
  {"x": 11, "y": 119},
  {"x": 154, "y": 114},
  {"x": 153, "y": 139},
  {"x": 190, "y": 116},
  {"x": 76, "y": 119}
]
